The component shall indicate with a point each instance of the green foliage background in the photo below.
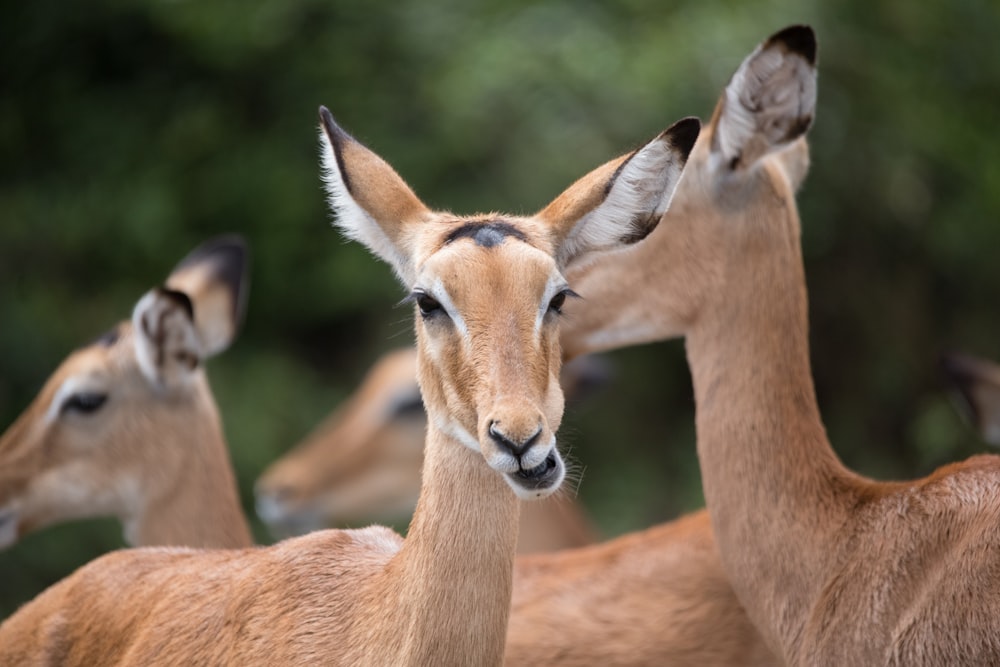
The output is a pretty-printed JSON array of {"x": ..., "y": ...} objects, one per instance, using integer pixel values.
[{"x": 131, "y": 131}]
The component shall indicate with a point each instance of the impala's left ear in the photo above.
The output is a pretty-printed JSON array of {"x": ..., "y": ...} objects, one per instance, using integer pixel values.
[
  {"x": 620, "y": 202},
  {"x": 371, "y": 203}
]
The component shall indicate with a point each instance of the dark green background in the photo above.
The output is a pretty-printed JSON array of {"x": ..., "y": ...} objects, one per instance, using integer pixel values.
[{"x": 132, "y": 130}]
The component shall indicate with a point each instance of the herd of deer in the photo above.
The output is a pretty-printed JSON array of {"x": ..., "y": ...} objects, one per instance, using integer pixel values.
[{"x": 796, "y": 560}]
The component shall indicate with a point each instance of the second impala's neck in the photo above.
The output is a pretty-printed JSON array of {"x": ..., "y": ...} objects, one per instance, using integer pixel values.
[
  {"x": 773, "y": 485},
  {"x": 452, "y": 578},
  {"x": 200, "y": 507}
]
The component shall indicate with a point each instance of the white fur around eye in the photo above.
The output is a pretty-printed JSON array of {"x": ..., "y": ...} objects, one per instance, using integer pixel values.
[
  {"x": 555, "y": 284},
  {"x": 80, "y": 384}
]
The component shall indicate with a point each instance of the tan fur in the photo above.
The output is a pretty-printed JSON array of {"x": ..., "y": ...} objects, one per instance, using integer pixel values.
[
  {"x": 833, "y": 568},
  {"x": 365, "y": 597},
  {"x": 153, "y": 455},
  {"x": 364, "y": 461},
  {"x": 655, "y": 597}
]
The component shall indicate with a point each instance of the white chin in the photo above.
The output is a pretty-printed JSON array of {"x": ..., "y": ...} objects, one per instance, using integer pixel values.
[{"x": 540, "y": 486}]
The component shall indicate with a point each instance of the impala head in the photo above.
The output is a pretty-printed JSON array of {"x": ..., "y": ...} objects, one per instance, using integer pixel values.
[
  {"x": 489, "y": 289},
  {"x": 976, "y": 384},
  {"x": 361, "y": 463},
  {"x": 739, "y": 181},
  {"x": 109, "y": 429}
]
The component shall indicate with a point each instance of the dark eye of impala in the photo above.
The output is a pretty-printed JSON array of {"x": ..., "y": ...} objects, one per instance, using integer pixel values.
[
  {"x": 85, "y": 402},
  {"x": 428, "y": 305},
  {"x": 556, "y": 304}
]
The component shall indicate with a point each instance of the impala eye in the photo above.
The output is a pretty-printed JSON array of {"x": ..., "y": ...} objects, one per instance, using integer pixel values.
[
  {"x": 428, "y": 305},
  {"x": 85, "y": 402},
  {"x": 557, "y": 302}
]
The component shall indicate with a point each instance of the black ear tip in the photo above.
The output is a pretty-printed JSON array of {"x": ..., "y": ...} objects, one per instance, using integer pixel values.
[
  {"x": 229, "y": 258},
  {"x": 798, "y": 39},
  {"x": 683, "y": 134},
  {"x": 330, "y": 126}
]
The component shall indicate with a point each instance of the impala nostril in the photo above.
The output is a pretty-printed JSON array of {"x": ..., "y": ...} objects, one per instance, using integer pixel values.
[{"x": 517, "y": 449}]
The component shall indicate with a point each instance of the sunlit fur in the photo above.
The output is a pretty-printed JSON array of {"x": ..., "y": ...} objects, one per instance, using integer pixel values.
[
  {"x": 442, "y": 597},
  {"x": 153, "y": 454}
]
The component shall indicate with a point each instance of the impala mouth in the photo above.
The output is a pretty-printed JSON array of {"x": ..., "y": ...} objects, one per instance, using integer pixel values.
[
  {"x": 541, "y": 479},
  {"x": 539, "y": 470}
]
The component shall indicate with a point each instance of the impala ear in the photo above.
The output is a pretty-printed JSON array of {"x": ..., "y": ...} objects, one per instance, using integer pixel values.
[
  {"x": 770, "y": 101},
  {"x": 976, "y": 384},
  {"x": 369, "y": 200},
  {"x": 620, "y": 202},
  {"x": 214, "y": 276},
  {"x": 167, "y": 343}
]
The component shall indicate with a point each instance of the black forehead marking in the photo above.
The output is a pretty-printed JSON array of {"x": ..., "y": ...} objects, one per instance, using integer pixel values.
[
  {"x": 108, "y": 338},
  {"x": 486, "y": 233}
]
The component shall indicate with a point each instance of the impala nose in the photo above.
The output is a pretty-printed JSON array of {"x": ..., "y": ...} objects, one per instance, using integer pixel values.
[{"x": 514, "y": 444}]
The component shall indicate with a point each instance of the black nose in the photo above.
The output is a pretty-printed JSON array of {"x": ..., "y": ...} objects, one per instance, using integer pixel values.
[{"x": 516, "y": 449}]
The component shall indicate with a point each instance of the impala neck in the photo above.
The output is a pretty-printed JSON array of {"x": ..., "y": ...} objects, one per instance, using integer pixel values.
[
  {"x": 201, "y": 508},
  {"x": 773, "y": 485},
  {"x": 452, "y": 578}
]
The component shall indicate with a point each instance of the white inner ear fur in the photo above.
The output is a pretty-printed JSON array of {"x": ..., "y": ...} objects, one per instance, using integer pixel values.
[
  {"x": 353, "y": 220},
  {"x": 772, "y": 94},
  {"x": 643, "y": 188},
  {"x": 162, "y": 330}
]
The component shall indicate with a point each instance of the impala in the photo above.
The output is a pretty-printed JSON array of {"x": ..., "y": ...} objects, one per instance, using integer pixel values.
[
  {"x": 127, "y": 426},
  {"x": 488, "y": 291},
  {"x": 363, "y": 461},
  {"x": 832, "y": 568}
]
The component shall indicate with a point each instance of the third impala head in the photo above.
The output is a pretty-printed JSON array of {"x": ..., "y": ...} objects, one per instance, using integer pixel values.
[
  {"x": 488, "y": 289},
  {"x": 121, "y": 418}
]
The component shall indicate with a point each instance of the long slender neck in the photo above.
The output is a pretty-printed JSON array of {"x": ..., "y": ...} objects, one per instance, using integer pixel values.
[
  {"x": 775, "y": 489},
  {"x": 452, "y": 579},
  {"x": 201, "y": 508}
]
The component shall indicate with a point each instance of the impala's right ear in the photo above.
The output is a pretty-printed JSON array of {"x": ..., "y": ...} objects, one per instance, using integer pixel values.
[
  {"x": 769, "y": 102},
  {"x": 369, "y": 200}
]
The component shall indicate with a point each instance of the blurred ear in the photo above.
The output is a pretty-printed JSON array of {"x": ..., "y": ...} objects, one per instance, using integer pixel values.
[
  {"x": 167, "y": 344},
  {"x": 369, "y": 200},
  {"x": 770, "y": 101},
  {"x": 214, "y": 276},
  {"x": 621, "y": 202},
  {"x": 976, "y": 384}
]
